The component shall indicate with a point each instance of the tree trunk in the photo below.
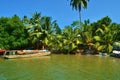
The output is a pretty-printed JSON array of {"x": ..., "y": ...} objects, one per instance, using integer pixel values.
[{"x": 80, "y": 14}]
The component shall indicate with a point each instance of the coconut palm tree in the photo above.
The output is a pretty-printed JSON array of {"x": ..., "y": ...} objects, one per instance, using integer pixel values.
[
  {"x": 65, "y": 41},
  {"x": 33, "y": 28},
  {"x": 69, "y": 39},
  {"x": 77, "y": 5},
  {"x": 105, "y": 38}
]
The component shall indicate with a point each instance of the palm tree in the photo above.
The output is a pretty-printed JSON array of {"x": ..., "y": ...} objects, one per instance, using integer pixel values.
[
  {"x": 105, "y": 38},
  {"x": 33, "y": 28},
  {"x": 77, "y": 5},
  {"x": 68, "y": 40}
]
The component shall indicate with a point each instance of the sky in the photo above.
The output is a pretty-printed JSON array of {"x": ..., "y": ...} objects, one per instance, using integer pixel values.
[{"x": 61, "y": 10}]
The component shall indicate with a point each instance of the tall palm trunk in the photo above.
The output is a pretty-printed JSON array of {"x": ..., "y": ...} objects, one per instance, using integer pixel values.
[
  {"x": 80, "y": 14},
  {"x": 77, "y": 5}
]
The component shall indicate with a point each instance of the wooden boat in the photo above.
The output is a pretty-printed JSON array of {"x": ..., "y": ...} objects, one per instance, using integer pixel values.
[
  {"x": 2, "y": 51},
  {"x": 45, "y": 53}
]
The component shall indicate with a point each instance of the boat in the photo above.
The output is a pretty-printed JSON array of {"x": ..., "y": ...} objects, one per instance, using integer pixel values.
[
  {"x": 2, "y": 51},
  {"x": 28, "y": 55},
  {"x": 115, "y": 52}
]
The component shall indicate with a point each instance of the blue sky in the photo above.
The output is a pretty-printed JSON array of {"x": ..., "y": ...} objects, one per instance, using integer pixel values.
[{"x": 61, "y": 10}]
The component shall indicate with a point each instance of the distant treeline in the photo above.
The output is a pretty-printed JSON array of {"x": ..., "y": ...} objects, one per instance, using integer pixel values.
[{"x": 41, "y": 32}]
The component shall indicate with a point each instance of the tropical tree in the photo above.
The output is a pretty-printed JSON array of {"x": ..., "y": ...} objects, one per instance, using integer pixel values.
[
  {"x": 67, "y": 40},
  {"x": 49, "y": 28},
  {"x": 12, "y": 33},
  {"x": 106, "y": 37},
  {"x": 78, "y": 4},
  {"x": 102, "y": 23},
  {"x": 34, "y": 29},
  {"x": 40, "y": 28}
]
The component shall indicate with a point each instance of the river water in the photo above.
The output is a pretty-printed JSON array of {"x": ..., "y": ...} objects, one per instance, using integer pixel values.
[{"x": 61, "y": 67}]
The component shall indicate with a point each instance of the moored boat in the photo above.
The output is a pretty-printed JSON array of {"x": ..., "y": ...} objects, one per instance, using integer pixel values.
[
  {"x": 115, "y": 52},
  {"x": 2, "y": 51},
  {"x": 38, "y": 54}
]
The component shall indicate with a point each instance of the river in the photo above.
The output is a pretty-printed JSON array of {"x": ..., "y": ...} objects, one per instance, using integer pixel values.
[{"x": 61, "y": 67}]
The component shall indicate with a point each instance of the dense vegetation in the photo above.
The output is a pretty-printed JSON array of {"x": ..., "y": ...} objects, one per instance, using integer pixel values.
[
  {"x": 12, "y": 33},
  {"x": 40, "y": 32}
]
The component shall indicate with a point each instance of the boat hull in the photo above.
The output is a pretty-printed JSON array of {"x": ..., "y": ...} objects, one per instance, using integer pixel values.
[
  {"x": 115, "y": 54},
  {"x": 1, "y": 52},
  {"x": 26, "y": 55}
]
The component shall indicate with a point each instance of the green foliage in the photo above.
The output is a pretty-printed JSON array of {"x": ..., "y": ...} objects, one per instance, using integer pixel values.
[
  {"x": 12, "y": 30},
  {"x": 78, "y": 4},
  {"x": 40, "y": 28},
  {"x": 41, "y": 32}
]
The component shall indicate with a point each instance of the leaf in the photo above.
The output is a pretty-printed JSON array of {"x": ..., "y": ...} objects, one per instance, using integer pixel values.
[
  {"x": 73, "y": 46},
  {"x": 97, "y": 44},
  {"x": 59, "y": 36},
  {"x": 34, "y": 40},
  {"x": 117, "y": 43},
  {"x": 110, "y": 48},
  {"x": 97, "y": 38},
  {"x": 38, "y": 34},
  {"x": 106, "y": 29},
  {"x": 60, "y": 44},
  {"x": 29, "y": 27},
  {"x": 46, "y": 41},
  {"x": 78, "y": 41},
  {"x": 100, "y": 30},
  {"x": 100, "y": 48},
  {"x": 65, "y": 41}
]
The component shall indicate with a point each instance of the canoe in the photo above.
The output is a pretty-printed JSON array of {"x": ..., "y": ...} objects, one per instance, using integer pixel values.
[{"x": 26, "y": 55}]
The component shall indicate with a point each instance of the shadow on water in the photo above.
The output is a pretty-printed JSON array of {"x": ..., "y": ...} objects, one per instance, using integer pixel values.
[{"x": 61, "y": 67}]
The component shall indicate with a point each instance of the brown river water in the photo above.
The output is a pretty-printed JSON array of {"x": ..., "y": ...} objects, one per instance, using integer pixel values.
[{"x": 61, "y": 67}]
